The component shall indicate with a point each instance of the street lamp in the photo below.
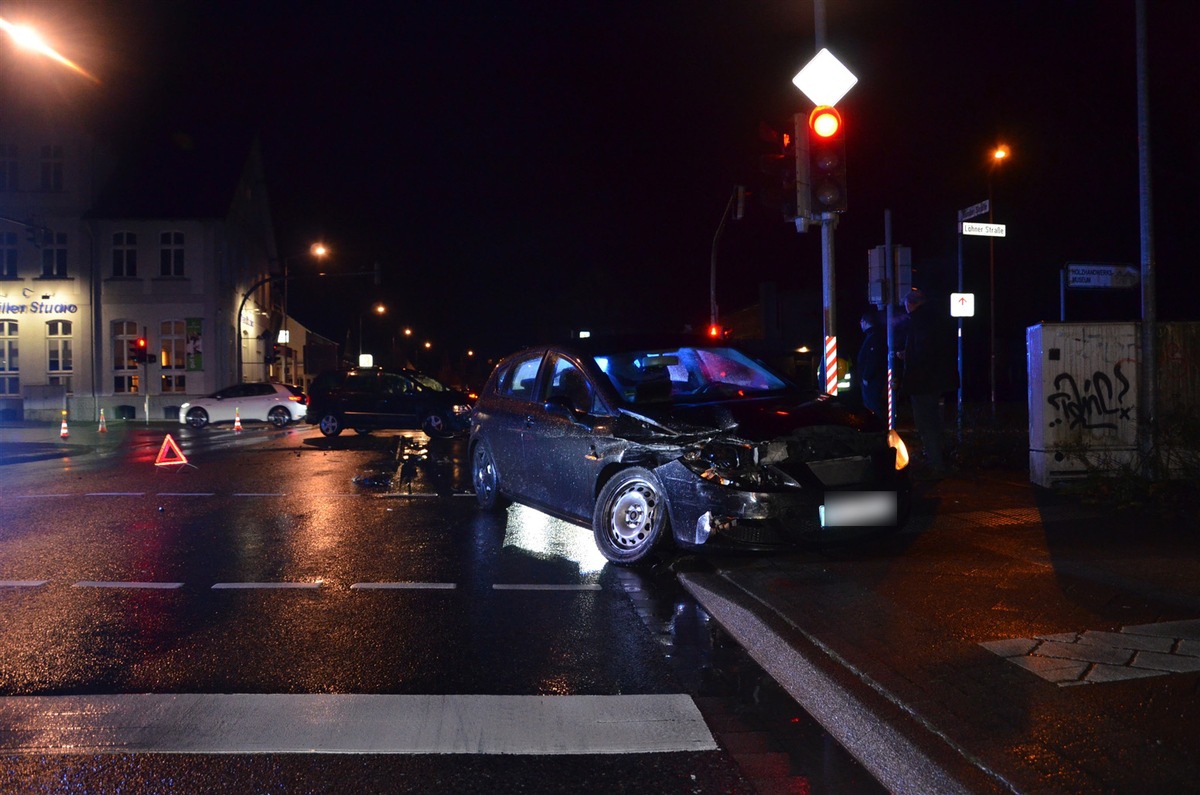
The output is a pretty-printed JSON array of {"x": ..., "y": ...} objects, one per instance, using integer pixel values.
[
  {"x": 317, "y": 251},
  {"x": 28, "y": 38},
  {"x": 997, "y": 156}
]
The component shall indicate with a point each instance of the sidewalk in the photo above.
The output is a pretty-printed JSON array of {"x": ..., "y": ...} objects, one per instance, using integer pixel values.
[{"x": 1011, "y": 639}]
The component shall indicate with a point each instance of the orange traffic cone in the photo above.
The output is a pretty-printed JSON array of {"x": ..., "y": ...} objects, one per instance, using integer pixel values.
[
  {"x": 237, "y": 421},
  {"x": 63, "y": 433},
  {"x": 103, "y": 427}
]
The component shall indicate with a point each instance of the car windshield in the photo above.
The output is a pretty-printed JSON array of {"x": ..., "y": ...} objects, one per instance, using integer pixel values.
[
  {"x": 687, "y": 375},
  {"x": 428, "y": 382}
]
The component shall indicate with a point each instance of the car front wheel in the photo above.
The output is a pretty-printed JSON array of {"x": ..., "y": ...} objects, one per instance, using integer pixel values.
[
  {"x": 197, "y": 418},
  {"x": 434, "y": 426},
  {"x": 630, "y": 519},
  {"x": 485, "y": 478},
  {"x": 279, "y": 416},
  {"x": 330, "y": 425}
]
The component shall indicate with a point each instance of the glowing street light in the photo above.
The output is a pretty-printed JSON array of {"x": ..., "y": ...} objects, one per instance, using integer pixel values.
[{"x": 28, "y": 38}]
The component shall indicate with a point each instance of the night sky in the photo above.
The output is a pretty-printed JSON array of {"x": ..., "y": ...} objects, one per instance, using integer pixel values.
[{"x": 520, "y": 169}]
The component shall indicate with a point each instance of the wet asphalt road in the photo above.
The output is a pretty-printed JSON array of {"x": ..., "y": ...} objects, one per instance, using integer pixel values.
[{"x": 285, "y": 563}]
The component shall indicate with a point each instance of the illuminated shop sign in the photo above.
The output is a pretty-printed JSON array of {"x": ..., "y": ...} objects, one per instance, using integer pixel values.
[{"x": 38, "y": 308}]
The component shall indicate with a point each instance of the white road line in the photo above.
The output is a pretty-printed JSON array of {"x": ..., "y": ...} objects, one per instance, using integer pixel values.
[
  {"x": 259, "y": 494},
  {"x": 115, "y": 494},
  {"x": 186, "y": 494},
  {"x": 264, "y": 585},
  {"x": 538, "y": 587},
  {"x": 343, "y": 723},
  {"x": 22, "y": 583},
  {"x": 123, "y": 584},
  {"x": 415, "y": 586}
]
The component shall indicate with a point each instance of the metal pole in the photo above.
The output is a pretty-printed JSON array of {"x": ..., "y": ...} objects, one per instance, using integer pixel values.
[
  {"x": 960, "y": 330},
  {"x": 828, "y": 293},
  {"x": 712, "y": 276},
  {"x": 1148, "y": 379},
  {"x": 889, "y": 269},
  {"x": 992, "y": 296}
]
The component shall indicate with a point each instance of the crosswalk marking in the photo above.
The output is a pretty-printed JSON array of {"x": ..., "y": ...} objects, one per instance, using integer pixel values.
[
  {"x": 585, "y": 586},
  {"x": 415, "y": 586},
  {"x": 127, "y": 584},
  {"x": 265, "y": 585},
  {"x": 352, "y": 723}
]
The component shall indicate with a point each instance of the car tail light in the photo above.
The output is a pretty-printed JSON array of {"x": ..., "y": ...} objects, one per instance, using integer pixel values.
[{"x": 299, "y": 399}]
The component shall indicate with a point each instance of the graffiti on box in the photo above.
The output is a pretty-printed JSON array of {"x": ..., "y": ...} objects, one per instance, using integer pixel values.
[{"x": 1096, "y": 404}]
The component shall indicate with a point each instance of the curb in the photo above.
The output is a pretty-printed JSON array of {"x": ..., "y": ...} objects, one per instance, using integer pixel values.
[{"x": 890, "y": 740}]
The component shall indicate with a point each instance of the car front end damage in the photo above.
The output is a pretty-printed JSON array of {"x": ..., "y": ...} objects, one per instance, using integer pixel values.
[{"x": 818, "y": 483}]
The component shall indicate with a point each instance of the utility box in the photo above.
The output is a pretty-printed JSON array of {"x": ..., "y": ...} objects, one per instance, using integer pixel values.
[{"x": 1083, "y": 398}]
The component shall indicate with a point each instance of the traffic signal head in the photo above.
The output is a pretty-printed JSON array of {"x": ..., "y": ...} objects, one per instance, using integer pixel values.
[{"x": 827, "y": 160}]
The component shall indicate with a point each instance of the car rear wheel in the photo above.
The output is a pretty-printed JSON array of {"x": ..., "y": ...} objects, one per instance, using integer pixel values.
[
  {"x": 279, "y": 416},
  {"x": 486, "y": 479},
  {"x": 434, "y": 426},
  {"x": 197, "y": 418},
  {"x": 330, "y": 425},
  {"x": 630, "y": 518}
]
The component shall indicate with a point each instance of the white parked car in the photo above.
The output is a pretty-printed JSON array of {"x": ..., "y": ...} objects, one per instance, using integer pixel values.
[{"x": 278, "y": 404}]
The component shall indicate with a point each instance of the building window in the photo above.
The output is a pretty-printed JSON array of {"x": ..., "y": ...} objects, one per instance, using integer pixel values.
[
  {"x": 126, "y": 372},
  {"x": 173, "y": 360},
  {"x": 171, "y": 254},
  {"x": 8, "y": 255},
  {"x": 124, "y": 255},
  {"x": 52, "y": 168},
  {"x": 59, "y": 358},
  {"x": 8, "y": 168},
  {"x": 10, "y": 378},
  {"x": 54, "y": 256}
]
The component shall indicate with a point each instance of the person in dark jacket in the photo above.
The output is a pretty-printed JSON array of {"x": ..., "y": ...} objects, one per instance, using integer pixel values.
[
  {"x": 929, "y": 372},
  {"x": 871, "y": 364}
]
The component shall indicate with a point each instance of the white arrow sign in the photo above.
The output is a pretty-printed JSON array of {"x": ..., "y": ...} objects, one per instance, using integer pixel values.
[
  {"x": 986, "y": 230},
  {"x": 962, "y": 304}
]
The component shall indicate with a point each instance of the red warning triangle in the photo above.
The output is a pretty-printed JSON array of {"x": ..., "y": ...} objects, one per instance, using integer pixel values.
[{"x": 170, "y": 454}]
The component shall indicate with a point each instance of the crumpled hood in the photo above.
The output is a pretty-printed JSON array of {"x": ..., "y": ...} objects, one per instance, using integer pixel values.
[{"x": 752, "y": 420}]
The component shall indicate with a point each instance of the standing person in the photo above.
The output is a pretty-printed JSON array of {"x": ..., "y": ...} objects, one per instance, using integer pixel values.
[
  {"x": 929, "y": 371},
  {"x": 871, "y": 364}
]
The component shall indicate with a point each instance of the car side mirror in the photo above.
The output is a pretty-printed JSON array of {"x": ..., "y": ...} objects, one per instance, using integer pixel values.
[{"x": 561, "y": 405}]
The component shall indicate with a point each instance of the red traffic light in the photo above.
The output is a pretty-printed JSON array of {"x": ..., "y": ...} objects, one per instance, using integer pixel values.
[
  {"x": 825, "y": 121},
  {"x": 714, "y": 331},
  {"x": 140, "y": 343}
]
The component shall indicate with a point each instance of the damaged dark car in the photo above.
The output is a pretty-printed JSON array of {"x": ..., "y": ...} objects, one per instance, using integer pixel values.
[{"x": 694, "y": 444}]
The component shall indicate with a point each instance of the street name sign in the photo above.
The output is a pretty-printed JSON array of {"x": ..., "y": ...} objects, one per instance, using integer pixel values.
[
  {"x": 985, "y": 230},
  {"x": 962, "y": 304},
  {"x": 1102, "y": 276},
  {"x": 975, "y": 210}
]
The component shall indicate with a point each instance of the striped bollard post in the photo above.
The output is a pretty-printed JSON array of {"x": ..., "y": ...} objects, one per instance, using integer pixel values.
[{"x": 831, "y": 370}]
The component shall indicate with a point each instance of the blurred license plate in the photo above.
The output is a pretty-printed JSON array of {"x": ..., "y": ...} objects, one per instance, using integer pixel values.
[{"x": 857, "y": 508}]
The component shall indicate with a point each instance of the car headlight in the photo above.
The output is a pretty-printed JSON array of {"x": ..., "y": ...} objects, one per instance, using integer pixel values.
[{"x": 733, "y": 464}]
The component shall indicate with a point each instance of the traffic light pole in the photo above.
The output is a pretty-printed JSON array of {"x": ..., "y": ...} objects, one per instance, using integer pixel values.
[
  {"x": 145, "y": 385},
  {"x": 829, "y": 302}
]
